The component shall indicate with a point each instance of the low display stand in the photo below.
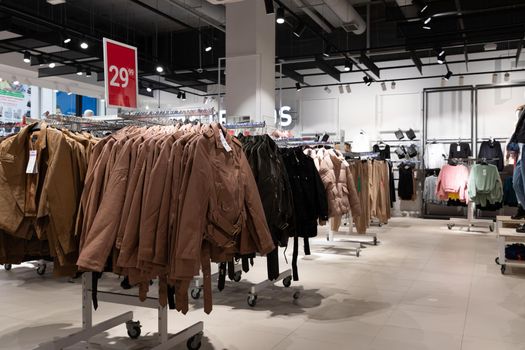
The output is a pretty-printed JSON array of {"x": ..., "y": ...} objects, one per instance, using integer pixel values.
[
  {"x": 470, "y": 221},
  {"x": 508, "y": 236},
  {"x": 191, "y": 335}
]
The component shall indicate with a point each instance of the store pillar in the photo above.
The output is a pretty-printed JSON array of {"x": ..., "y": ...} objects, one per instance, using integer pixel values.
[{"x": 250, "y": 61}]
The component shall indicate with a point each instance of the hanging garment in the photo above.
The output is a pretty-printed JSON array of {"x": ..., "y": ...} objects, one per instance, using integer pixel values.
[
  {"x": 383, "y": 149},
  {"x": 435, "y": 155},
  {"x": 453, "y": 179},
  {"x": 519, "y": 132},
  {"x": 485, "y": 184},
  {"x": 361, "y": 143},
  {"x": 491, "y": 150},
  {"x": 274, "y": 188},
  {"x": 509, "y": 195},
  {"x": 165, "y": 201},
  {"x": 429, "y": 190},
  {"x": 459, "y": 150},
  {"x": 392, "y": 184},
  {"x": 406, "y": 181},
  {"x": 42, "y": 172},
  {"x": 359, "y": 170}
]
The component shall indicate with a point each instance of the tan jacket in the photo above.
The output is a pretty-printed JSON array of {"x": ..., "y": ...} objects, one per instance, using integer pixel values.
[{"x": 340, "y": 187}]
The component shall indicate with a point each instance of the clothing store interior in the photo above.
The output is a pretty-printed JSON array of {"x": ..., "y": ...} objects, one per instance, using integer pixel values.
[{"x": 262, "y": 174}]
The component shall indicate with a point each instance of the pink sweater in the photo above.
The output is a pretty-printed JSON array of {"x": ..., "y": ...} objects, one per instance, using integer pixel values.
[{"x": 453, "y": 179}]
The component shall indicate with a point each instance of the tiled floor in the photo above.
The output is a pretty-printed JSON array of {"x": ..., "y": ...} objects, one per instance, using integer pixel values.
[{"x": 423, "y": 287}]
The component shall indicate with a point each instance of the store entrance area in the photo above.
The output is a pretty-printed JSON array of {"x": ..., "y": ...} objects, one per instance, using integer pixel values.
[{"x": 422, "y": 287}]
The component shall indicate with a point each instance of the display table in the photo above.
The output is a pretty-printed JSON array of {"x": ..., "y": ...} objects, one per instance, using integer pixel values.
[{"x": 506, "y": 235}]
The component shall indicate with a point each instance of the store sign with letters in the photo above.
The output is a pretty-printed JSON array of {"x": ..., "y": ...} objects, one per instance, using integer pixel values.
[{"x": 120, "y": 74}]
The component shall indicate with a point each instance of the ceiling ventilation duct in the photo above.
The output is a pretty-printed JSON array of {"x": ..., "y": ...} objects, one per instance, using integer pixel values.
[
  {"x": 223, "y": 2},
  {"x": 352, "y": 22}
]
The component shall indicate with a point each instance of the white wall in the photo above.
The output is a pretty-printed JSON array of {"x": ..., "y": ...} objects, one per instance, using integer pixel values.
[{"x": 376, "y": 111}]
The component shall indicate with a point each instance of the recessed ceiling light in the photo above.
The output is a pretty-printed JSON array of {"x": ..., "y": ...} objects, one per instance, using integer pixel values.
[
  {"x": 159, "y": 69},
  {"x": 148, "y": 89},
  {"x": 52, "y": 65},
  {"x": 67, "y": 40},
  {"x": 84, "y": 45}
]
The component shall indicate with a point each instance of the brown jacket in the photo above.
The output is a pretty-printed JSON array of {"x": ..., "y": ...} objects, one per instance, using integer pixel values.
[{"x": 44, "y": 204}]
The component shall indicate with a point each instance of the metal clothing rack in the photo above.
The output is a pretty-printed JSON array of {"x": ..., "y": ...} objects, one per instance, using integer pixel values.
[
  {"x": 192, "y": 335},
  {"x": 471, "y": 221}
]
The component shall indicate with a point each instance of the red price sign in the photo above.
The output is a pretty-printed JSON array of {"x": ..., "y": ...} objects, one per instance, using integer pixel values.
[{"x": 120, "y": 74}]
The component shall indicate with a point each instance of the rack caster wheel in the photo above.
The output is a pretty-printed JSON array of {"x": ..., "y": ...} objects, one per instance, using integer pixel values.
[
  {"x": 357, "y": 253},
  {"x": 497, "y": 260},
  {"x": 238, "y": 276},
  {"x": 41, "y": 269},
  {"x": 8, "y": 267},
  {"x": 195, "y": 342},
  {"x": 125, "y": 283},
  {"x": 450, "y": 226},
  {"x": 491, "y": 228},
  {"x": 503, "y": 269},
  {"x": 287, "y": 282},
  {"x": 296, "y": 295},
  {"x": 134, "y": 329},
  {"x": 375, "y": 240},
  {"x": 252, "y": 300},
  {"x": 196, "y": 293}
]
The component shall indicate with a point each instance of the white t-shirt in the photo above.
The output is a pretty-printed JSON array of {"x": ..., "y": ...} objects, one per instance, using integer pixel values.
[
  {"x": 361, "y": 143},
  {"x": 436, "y": 155}
]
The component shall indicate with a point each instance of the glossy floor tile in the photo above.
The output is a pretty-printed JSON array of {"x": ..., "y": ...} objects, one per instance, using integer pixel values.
[{"x": 422, "y": 287}]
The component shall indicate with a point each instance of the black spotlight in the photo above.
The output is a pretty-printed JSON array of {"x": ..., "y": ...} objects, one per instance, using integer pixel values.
[
  {"x": 269, "y": 7},
  {"x": 279, "y": 17},
  {"x": 298, "y": 86},
  {"x": 448, "y": 75}
]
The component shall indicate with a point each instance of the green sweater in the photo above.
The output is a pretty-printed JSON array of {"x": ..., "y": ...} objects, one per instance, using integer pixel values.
[{"x": 485, "y": 185}]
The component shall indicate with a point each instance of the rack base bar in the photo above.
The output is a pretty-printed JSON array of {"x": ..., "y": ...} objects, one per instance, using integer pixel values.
[
  {"x": 194, "y": 332},
  {"x": 345, "y": 244},
  {"x": 87, "y": 333},
  {"x": 285, "y": 276}
]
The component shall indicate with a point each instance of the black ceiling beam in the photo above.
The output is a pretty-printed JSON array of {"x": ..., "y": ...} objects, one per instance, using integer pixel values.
[
  {"x": 369, "y": 64},
  {"x": 290, "y": 73},
  {"x": 328, "y": 69},
  {"x": 417, "y": 61}
]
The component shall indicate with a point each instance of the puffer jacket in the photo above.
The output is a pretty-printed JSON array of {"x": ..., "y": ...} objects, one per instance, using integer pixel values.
[{"x": 340, "y": 187}]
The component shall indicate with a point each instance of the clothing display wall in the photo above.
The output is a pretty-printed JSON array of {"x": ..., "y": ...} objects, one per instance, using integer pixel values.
[{"x": 42, "y": 173}]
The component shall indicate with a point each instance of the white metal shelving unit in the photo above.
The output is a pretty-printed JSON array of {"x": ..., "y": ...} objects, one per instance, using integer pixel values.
[{"x": 508, "y": 236}]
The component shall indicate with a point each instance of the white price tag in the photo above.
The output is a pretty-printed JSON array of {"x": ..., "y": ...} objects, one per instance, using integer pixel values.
[
  {"x": 31, "y": 164},
  {"x": 458, "y": 148},
  {"x": 224, "y": 143},
  {"x": 484, "y": 172}
]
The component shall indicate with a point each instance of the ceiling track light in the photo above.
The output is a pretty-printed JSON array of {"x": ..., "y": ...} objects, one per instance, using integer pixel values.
[
  {"x": 427, "y": 21},
  {"x": 448, "y": 75},
  {"x": 383, "y": 86},
  {"x": 148, "y": 89},
  {"x": 27, "y": 57},
  {"x": 507, "y": 76},
  {"x": 326, "y": 52},
  {"x": 84, "y": 45},
  {"x": 298, "y": 86},
  {"x": 327, "y": 89},
  {"x": 348, "y": 88},
  {"x": 208, "y": 48},
  {"x": 299, "y": 29},
  {"x": 279, "y": 16},
  {"x": 440, "y": 56},
  {"x": 269, "y": 7},
  {"x": 67, "y": 40},
  {"x": 52, "y": 65},
  {"x": 88, "y": 72},
  {"x": 341, "y": 89},
  {"x": 368, "y": 81},
  {"x": 427, "y": 27},
  {"x": 495, "y": 78},
  {"x": 393, "y": 85},
  {"x": 16, "y": 82},
  {"x": 183, "y": 96},
  {"x": 348, "y": 65},
  {"x": 179, "y": 95},
  {"x": 425, "y": 7},
  {"x": 79, "y": 70}
]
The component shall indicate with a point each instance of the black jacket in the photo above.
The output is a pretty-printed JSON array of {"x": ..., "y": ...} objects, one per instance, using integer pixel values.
[
  {"x": 309, "y": 195},
  {"x": 492, "y": 150},
  {"x": 519, "y": 131},
  {"x": 459, "y": 150}
]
